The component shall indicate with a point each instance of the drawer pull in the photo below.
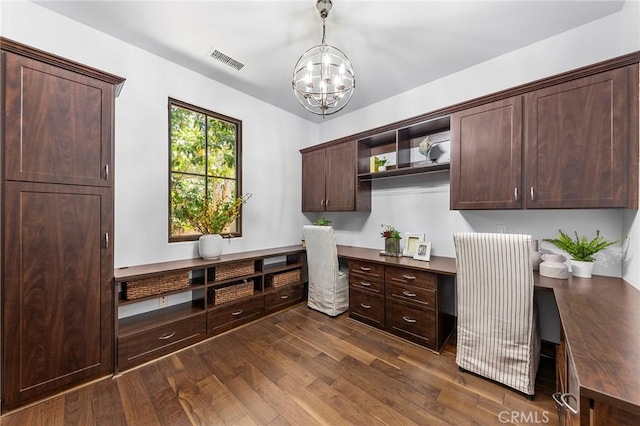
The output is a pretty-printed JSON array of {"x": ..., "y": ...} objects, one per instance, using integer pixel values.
[
  {"x": 364, "y": 268},
  {"x": 284, "y": 296},
  {"x": 409, "y": 277},
  {"x": 561, "y": 399},
  {"x": 409, "y": 294},
  {"x": 167, "y": 336},
  {"x": 235, "y": 314},
  {"x": 364, "y": 284},
  {"x": 365, "y": 306},
  {"x": 410, "y": 320}
]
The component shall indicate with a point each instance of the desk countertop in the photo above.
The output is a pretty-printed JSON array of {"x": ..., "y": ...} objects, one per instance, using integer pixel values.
[{"x": 437, "y": 264}]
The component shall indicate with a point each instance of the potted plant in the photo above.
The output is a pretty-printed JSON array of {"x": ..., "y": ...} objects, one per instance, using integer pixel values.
[
  {"x": 581, "y": 250},
  {"x": 212, "y": 220},
  {"x": 323, "y": 221},
  {"x": 391, "y": 240},
  {"x": 381, "y": 164}
]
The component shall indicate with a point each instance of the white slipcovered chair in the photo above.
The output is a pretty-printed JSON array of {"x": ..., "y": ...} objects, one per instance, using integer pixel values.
[
  {"x": 328, "y": 285},
  {"x": 497, "y": 332}
]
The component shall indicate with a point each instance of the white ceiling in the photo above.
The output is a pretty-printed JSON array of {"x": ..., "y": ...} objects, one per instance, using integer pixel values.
[{"x": 394, "y": 46}]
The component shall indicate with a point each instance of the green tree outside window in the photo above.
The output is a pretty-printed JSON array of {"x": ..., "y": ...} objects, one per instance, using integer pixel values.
[{"x": 204, "y": 165}]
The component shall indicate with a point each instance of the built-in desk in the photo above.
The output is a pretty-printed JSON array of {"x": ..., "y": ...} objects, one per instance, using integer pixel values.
[{"x": 598, "y": 359}]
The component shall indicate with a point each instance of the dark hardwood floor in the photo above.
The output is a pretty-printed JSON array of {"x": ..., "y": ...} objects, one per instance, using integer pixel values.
[{"x": 298, "y": 367}]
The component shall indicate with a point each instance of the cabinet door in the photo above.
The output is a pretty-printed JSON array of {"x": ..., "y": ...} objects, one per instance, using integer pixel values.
[
  {"x": 486, "y": 156},
  {"x": 340, "y": 167},
  {"x": 578, "y": 142},
  {"x": 313, "y": 181},
  {"x": 57, "y": 305},
  {"x": 58, "y": 124}
]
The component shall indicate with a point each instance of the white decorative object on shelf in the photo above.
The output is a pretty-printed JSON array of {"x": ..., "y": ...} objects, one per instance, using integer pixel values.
[
  {"x": 581, "y": 269},
  {"x": 210, "y": 246},
  {"x": 553, "y": 266}
]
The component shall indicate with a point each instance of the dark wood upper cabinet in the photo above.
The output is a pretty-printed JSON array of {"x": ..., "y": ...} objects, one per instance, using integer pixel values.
[
  {"x": 486, "y": 156},
  {"x": 579, "y": 147},
  {"x": 329, "y": 180},
  {"x": 58, "y": 124},
  {"x": 572, "y": 144}
]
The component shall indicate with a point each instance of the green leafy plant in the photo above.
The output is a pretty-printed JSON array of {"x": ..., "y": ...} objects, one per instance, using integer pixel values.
[
  {"x": 216, "y": 218},
  {"x": 389, "y": 232},
  {"x": 581, "y": 248},
  {"x": 323, "y": 221}
]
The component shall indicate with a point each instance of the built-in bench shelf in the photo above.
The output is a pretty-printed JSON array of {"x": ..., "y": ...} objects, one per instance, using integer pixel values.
[{"x": 214, "y": 296}]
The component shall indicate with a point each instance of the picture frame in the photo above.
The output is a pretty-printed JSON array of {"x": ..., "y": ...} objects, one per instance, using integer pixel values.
[
  {"x": 423, "y": 251},
  {"x": 410, "y": 242}
]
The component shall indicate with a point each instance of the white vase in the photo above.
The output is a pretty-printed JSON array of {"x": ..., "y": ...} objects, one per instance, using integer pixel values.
[
  {"x": 581, "y": 269},
  {"x": 210, "y": 246},
  {"x": 553, "y": 266}
]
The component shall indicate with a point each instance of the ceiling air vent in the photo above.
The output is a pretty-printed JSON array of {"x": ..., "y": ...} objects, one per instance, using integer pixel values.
[{"x": 219, "y": 56}]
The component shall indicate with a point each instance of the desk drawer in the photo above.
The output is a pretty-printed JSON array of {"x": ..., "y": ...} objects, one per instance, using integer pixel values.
[
  {"x": 412, "y": 323},
  {"x": 231, "y": 315},
  {"x": 149, "y": 344},
  {"x": 412, "y": 277},
  {"x": 366, "y": 284},
  {"x": 367, "y": 307},
  {"x": 366, "y": 269},
  {"x": 411, "y": 293},
  {"x": 276, "y": 300}
]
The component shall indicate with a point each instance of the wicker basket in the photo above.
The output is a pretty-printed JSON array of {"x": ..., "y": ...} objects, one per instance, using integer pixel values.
[
  {"x": 230, "y": 293},
  {"x": 234, "y": 270},
  {"x": 156, "y": 285},
  {"x": 285, "y": 278}
]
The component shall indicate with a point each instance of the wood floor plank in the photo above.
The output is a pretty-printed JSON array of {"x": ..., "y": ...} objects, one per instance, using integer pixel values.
[
  {"x": 78, "y": 409},
  {"x": 351, "y": 412},
  {"x": 107, "y": 404},
  {"x": 138, "y": 408},
  {"x": 259, "y": 409},
  {"x": 316, "y": 407},
  {"x": 197, "y": 401}
]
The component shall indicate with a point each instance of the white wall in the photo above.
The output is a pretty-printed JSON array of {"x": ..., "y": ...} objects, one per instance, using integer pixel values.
[
  {"x": 271, "y": 139},
  {"x": 421, "y": 204}
]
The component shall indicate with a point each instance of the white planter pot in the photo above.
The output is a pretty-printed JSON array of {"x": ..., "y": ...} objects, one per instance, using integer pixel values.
[
  {"x": 210, "y": 246},
  {"x": 581, "y": 269}
]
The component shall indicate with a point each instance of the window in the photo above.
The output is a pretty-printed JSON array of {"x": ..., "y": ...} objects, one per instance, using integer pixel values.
[{"x": 204, "y": 165}]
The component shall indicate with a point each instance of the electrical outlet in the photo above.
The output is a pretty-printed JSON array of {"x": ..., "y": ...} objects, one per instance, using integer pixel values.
[
  {"x": 502, "y": 229},
  {"x": 163, "y": 301}
]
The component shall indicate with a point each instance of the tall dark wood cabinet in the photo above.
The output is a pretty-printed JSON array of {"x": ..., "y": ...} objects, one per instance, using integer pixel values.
[
  {"x": 57, "y": 223},
  {"x": 329, "y": 180},
  {"x": 487, "y": 140}
]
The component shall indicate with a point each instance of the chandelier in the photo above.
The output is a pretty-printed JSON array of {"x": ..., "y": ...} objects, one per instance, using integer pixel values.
[{"x": 323, "y": 78}]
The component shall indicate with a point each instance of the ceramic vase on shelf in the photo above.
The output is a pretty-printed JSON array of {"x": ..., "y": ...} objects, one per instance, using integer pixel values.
[
  {"x": 392, "y": 247},
  {"x": 553, "y": 266},
  {"x": 581, "y": 269},
  {"x": 210, "y": 246}
]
